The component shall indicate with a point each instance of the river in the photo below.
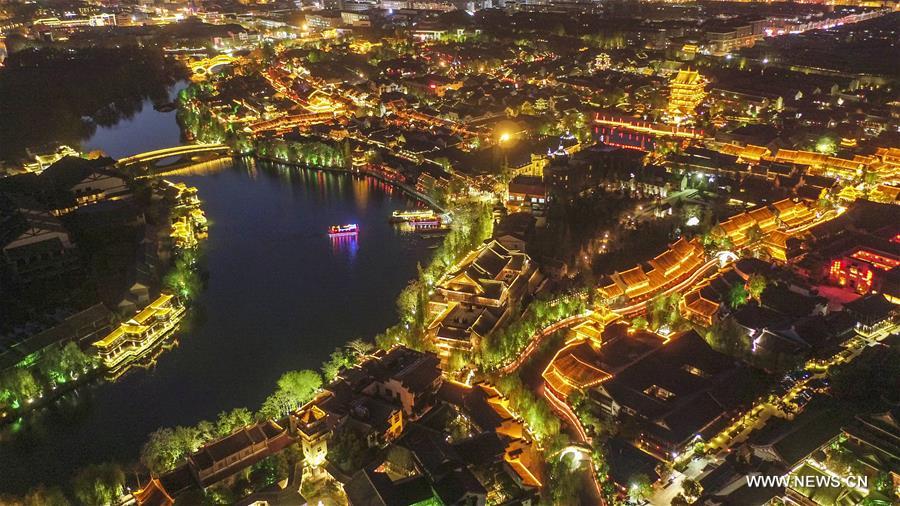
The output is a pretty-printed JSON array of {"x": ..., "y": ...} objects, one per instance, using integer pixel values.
[{"x": 280, "y": 296}]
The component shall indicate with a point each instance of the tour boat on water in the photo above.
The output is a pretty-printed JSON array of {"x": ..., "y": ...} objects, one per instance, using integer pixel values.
[
  {"x": 426, "y": 223},
  {"x": 410, "y": 215},
  {"x": 339, "y": 230}
]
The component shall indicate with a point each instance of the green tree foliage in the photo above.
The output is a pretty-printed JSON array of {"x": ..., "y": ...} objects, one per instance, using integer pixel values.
[
  {"x": 74, "y": 362},
  {"x": 508, "y": 342},
  {"x": 756, "y": 284},
  {"x": 45, "y": 496},
  {"x": 360, "y": 348},
  {"x": 534, "y": 410},
  {"x": 737, "y": 295},
  {"x": 665, "y": 310},
  {"x": 692, "y": 489},
  {"x": 299, "y": 387},
  {"x": 639, "y": 487},
  {"x": 565, "y": 480},
  {"x": 639, "y": 323},
  {"x": 729, "y": 337},
  {"x": 166, "y": 448},
  {"x": 347, "y": 450},
  {"x": 99, "y": 484},
  {"x": 716, "y": 240},
  {"x": 183, "y": 279},
  {"x": 229, "y": 421},
  {"x": 18, "y": 386},
  {"x": 341, "y": 358},
  {"x": 269, "y": 471}
]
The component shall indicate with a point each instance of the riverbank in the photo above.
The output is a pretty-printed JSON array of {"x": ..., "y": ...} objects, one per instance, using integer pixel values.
[{"x": 277, "y": 298}]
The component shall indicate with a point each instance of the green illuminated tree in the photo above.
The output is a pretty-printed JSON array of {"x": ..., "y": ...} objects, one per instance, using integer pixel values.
[
  {"x": 99, "y": 484},
  {"x": 340, "y": 359},
  {"x": 360, "y": 348},
  {"x": 229, "y": 421},
  {"x": 639, "y": 487},
  {"x": 269, "y": 471},
  {"x": 275, "y": 406},
  {"x": 300, "y": 385},
  {"x": 692, "y": 489},
  {"x": 44, "y": 496},
  {"x": 73, "y": 361},
  {"x": 18, "y": 386},
  {"x": 737, "y": 295},
  {"x": 161, "y": 452},
  {"x": 756, "y": 284}
]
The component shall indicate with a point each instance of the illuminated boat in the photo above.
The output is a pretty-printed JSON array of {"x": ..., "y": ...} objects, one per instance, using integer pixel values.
[
  {"x": 410, "y": 215},
  {"x": 426, "y": 223},
  {"x": 339, "y": 230}
]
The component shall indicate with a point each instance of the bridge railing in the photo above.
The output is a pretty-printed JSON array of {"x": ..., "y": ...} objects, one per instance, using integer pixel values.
[{"x": 173, "y": 151}]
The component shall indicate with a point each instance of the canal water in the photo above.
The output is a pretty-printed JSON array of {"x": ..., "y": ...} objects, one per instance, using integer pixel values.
[{"x": 281, "y": 295}]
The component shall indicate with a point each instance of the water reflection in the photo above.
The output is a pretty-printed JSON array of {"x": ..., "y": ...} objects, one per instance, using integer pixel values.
[
  {"x": 277, "y": 298},
  {"x": 345, "y": 245}
]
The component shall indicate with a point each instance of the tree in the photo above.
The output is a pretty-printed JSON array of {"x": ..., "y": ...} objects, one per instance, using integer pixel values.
[
  {"x": 639, "y": 323},
  {"x": 692, "y": 489},
  {"x": 347, "y": 450},
  {"x": 737, "y": 295},
  {"x": 73, "y": 361},
  {"x": 639, "y": 487},
  {"x": 269, "y": 471},
  {"x": 44, "y": 496},
  {"x": 275, "y": 406},
  {"x": 299, "y": 386},
  {"x": 206, "y": 431},
  {"x": 754, "y": 234},
  {"x": 679, "y": 500},
  {"x": 728, "y": 336},
  {"x": 99, "y": 484},
  {"x": 187, "y": 439},
  {"x": 229, "y": 421},
  {"x": 161, "y": 452},
  {"x": 340, "y": 359},
  {"x": 18, "y": 386},
  {"x": 360, "y": 348},
  {"x": 756, "y": 284}
]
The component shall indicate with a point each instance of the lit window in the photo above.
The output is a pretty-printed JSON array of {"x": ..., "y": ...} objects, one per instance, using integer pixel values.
[
  {"x": 695, "y": 371},
  {"x": 659, "y": 392}
]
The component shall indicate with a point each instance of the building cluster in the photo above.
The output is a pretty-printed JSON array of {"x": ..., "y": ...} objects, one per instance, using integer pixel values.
[
  {"x": 397, "y": 404},
  {"x": 477, "y": 296}
]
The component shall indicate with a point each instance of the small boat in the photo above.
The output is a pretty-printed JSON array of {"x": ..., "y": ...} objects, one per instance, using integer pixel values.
[{"x": 339, "y": 230}]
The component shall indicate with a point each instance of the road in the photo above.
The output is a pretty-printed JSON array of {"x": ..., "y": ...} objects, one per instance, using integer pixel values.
[{"x": 565, "y": 412}]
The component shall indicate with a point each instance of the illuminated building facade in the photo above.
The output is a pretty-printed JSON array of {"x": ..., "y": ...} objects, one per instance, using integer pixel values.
[
  {"x": 476, "y": 297},
  {"x": 378, "y": 396},
  {"x": 686, "y": 91},
  {"x": 141, "y": 333},
  {"x": 314, "y": 434},
  {"x": 862, "y": 269},
  {"x": 673, "y": 265}
]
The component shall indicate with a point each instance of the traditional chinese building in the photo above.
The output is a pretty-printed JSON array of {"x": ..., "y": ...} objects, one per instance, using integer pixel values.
[
  {"x": 475, "y": 298},
  {"x": 669, "y": 267},
  {"x": 686, "y": 91},
  {"x": 141, "y": 333}
]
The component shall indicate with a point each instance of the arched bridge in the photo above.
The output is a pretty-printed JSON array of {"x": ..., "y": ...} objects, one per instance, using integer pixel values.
[
  {"x": 205, "y": 66},
  {"x": 185, "y": 150}
]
